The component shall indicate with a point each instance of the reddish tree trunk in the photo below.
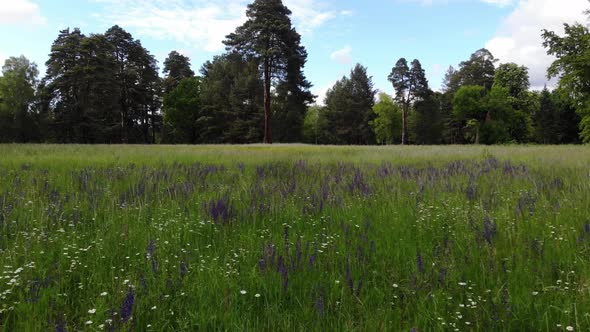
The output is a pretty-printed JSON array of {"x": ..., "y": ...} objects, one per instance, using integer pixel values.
[
  {"x": 267, "y": 114},
  {"x": 404, "y": 125}
]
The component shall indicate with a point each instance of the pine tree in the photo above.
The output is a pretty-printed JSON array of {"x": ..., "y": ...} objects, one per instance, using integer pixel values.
[
  {"x": 176, "y": 68},
  {"x": 349, "y": 108},
  {"x": 269, "y": 39},
  {"x": 410, "y": 85}
]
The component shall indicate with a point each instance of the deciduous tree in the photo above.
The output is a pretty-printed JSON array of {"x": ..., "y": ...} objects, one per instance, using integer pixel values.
[
  {"x": 17, "y": 97},
  {"x": 572, "y": 67}
]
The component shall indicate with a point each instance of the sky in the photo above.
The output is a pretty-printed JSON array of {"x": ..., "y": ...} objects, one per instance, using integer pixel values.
[{"x": 336, "y": 33}]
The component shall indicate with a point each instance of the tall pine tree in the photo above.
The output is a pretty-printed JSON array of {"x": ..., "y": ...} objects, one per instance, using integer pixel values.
[
  {"x": 269, "y": 39},
  {"x": 410, "y": 85}
]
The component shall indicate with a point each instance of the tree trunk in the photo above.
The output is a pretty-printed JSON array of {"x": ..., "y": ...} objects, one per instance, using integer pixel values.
[
  {"x": 146, "y": 130},
  {"x": 404, "y": 125},
  {"x": 153, "y": 120},
  {"x": 267, "y": 114}
]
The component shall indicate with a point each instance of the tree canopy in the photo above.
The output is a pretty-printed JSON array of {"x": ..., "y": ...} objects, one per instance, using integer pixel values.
[
  {"x": 106, "y": 88},
  {"x": 572, "y": 67},
  {"x": 269, "y": 39}
]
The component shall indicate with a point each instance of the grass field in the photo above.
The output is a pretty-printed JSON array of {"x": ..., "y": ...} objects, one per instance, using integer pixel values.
[{"x": 294, "y": 237}]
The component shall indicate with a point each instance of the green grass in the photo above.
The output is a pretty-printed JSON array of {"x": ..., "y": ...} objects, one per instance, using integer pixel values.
[{"x": 330, "y": 238}]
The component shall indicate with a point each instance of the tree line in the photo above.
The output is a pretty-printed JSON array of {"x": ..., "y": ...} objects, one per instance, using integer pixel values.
[
  {"x": 479, "y": 103},
  {"x": 107, "y": 88}
]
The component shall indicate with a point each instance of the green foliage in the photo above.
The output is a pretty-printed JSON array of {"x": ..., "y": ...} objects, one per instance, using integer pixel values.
[
  {"x": 572, "y": 66},
  {"x": 484, "y": 112},
  {"x": 513, "y": 78},
  {"x": 139, "y": 86},
  {"x": 468, "y": 103},
  {"x": 292, "y": 97},
  {"x": 493, "y": 132},
  {"x": 387, "y": 123},
  {"x": 478, "y": 70},
  {"x": 556, "y": 121},
  {"x": 232, "y": 97},
  {"x": 568, "y": 119},
  {"x": 545, "y": 119},
  {"x": 410, "y": 85},
  {"x": 427, "y": 120},
  {"x": 349, "y": 108},
  {"x": 17, "y": 96},
  {"x": 315, "y": 126},
  {"x": 182, "y": 111},
  {"x": 176, "y": 68},
  {"x": 268, "y": 38},
  {"x": 101, "y": 88}
]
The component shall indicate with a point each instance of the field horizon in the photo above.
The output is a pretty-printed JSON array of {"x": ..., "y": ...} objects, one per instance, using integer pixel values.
[{"x": 570, "y": 155}]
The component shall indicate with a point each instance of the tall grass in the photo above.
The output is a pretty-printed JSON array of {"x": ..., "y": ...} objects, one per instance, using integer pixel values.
[{"x": 294, "y": 237}]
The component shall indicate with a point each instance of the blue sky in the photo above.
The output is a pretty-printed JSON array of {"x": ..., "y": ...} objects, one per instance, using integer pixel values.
[{"x": 336, "y": 33}]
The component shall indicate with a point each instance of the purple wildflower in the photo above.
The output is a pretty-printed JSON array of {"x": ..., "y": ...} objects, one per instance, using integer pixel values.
[
  {"x": 420, "y": 262},
  {"x": 284, "y": 271},
  {"x": 183, "y": 269},
  {"x": 287, "y": 240},
  {"x": 127, "y": 307},
  {"x": 313, "y": 257},
  {"x": 471, "y": 191},
  {"x": 241, "y": 167},
  {"x": 298, "y": 251},
  {"x": 319, "y": 305},
  {"x": 220, "y": 210},
  {"x": 60, "y": 325},
  {"x": 358, "y": 184},
  {"x": 151, "y": 247}
]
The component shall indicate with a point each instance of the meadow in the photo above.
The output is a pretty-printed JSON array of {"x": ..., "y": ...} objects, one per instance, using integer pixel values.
[{"x": 294, "y": 237}]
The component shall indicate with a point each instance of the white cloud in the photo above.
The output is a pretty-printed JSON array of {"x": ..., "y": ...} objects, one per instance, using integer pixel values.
[
  {"x": 201, "y": 23},
  {"x": 342, "y": 56},
  {"x": 500, "y": 3},
  {"x": 308, "y": 14},
  {"x": 20, "y": 12},
  {"x": 519, "y": 37},
  {"x": 346, "y": 12}
]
